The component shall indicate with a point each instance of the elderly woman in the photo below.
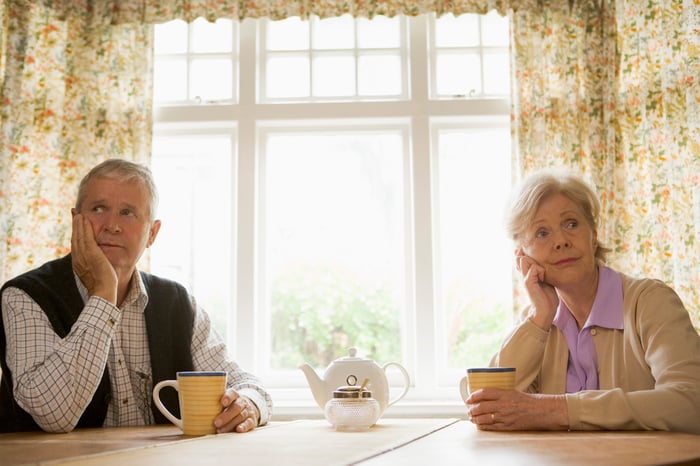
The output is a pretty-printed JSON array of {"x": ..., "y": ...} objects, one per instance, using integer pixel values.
[{"x": 595, "y": 349}]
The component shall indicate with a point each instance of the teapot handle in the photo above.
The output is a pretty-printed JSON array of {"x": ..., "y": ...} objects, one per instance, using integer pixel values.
[{"x": 407, "y": 381}]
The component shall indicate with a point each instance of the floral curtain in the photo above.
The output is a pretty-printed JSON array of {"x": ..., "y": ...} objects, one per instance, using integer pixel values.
[
  {"x": 611, "y": 90},
  {"x": 74, "y": 91},
  {"x": 606, "y": 87}
]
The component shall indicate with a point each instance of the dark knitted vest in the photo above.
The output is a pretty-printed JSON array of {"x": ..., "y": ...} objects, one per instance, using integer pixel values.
[{"x": 169, "y": 324}]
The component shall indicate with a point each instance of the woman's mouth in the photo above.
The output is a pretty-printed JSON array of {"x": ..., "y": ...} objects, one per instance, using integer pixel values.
[{"x": 565, "y": 262}]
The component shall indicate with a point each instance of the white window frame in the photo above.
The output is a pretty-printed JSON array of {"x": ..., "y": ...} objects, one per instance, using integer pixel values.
[{"x": 420, "y": 116}]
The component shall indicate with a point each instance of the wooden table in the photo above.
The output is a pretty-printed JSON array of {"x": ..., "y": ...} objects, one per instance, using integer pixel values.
[
  {"x": 435, "y": 442},
  {"x": 462, "y": 444}
]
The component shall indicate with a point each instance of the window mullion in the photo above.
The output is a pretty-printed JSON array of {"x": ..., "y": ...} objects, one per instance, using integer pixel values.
[
  {"x": 422, "y": 340},
  {"x": 242, "y": 325}
]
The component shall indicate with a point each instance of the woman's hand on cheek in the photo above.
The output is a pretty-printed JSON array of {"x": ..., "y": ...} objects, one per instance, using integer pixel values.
[{"x": 543, "y": 296}]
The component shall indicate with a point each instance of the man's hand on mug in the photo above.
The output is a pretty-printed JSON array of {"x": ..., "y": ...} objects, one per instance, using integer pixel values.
[{"x": 239, "y": 415}]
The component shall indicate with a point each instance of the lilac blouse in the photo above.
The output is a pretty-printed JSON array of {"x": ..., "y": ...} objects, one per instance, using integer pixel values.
[{"x": 582, "y": 372}]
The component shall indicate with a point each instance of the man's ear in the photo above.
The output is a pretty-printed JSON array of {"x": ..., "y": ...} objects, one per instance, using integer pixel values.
[{"x": 155, "y": 228}]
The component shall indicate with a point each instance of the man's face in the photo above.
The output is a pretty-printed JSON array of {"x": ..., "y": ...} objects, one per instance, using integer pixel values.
[{"x": 120, "y": 216}]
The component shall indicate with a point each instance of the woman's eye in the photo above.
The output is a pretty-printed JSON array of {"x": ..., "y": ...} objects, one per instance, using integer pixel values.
[
  {"x": 572, "y": 224},
  {"x": 541, "y": 234}
]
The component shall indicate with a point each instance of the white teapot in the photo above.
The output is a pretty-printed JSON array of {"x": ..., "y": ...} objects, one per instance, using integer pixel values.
[{"x": 353, "y": 370}]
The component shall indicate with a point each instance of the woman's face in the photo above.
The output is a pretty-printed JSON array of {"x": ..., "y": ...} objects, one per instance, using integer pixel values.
[{"x": 561, "y": 241}]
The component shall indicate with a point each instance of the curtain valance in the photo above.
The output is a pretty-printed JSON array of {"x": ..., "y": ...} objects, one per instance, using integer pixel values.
[{"x": 157, "y": 11}]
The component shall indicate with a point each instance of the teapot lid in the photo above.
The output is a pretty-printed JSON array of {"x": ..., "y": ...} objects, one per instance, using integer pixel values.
[
  {"x": 352, "y": 356},
  {"x": 351, "y": 391}
]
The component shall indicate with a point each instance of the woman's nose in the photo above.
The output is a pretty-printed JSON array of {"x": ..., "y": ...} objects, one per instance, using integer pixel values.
[{"x": 561, "y": 241}]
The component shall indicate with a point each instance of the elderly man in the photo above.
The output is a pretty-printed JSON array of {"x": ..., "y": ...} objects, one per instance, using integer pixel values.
[{"x": 86, "y": 337}]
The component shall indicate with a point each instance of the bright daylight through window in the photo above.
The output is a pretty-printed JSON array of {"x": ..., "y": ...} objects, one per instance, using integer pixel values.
[{"x": 338, "y": 183}]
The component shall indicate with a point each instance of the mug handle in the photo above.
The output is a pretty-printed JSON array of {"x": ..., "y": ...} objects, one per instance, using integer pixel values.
[
  {"x": 464, "y": 388},
  {"x": 159, "y": 404},
  {"x": 407, "y": 381}
]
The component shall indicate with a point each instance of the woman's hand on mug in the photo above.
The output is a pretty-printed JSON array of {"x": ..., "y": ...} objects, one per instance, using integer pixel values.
[
  {"x": 239, "y": 413},
  {"x": 499, "y": 409}
]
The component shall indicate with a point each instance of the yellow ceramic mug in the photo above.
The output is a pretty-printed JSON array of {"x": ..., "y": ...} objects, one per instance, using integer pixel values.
[
  {"x": 482, "y": 377},
  {"x": 200, "y": 395}
]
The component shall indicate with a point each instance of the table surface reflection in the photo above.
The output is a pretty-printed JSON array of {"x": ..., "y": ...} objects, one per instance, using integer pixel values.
[{"x": 392, "y": 441}]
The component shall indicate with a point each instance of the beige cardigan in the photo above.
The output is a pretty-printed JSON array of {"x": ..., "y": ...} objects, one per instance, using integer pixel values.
[{"x": 649, "y": 373}]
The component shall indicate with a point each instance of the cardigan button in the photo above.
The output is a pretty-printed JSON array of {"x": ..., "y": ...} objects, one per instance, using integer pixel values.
[{"x": 594, "y": 332}]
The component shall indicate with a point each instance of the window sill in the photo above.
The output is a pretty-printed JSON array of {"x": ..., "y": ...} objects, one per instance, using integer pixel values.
[{"x": 287, "y": 410}]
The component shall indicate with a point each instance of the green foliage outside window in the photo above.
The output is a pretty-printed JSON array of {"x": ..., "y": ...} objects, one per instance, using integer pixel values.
[
  {"x": 318, "y": 313},
  {"x": 480, "y": 326}
]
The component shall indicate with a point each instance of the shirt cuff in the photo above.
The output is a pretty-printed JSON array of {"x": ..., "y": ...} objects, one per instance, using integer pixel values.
[
  {"x": 100, "y": 313},
  {"x": 260, "y": 403}
]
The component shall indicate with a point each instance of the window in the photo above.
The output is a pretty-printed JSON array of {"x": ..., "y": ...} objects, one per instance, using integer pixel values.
[
  {"x": 334, "y": 58},
  {"x": 338, "y": 183}
]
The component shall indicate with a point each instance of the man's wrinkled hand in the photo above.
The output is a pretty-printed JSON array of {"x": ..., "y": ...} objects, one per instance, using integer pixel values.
[
  {"x": 90, "y": 263},
  {"x": 239, "y": 413}
]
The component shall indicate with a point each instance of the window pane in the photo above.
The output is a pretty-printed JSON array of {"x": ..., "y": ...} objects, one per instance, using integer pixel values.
[
  {"x": 378, "y": 32},
  {"x": 333, "y": 33},
  {"x": 287, "y": 77},
  {"x": 379, "y": 75},
  {"x": 460, "y": 45},
  {"x": 334, "y": 76},
  {"x": 169, "y": 80},
  {"x": 462, "y": 31},
  {"x": 194, "y": 244},
  {"x": 212, "y": 37},
  {"x": 334, "y": 236},
  {"x": 287, "y": 34},
  {"x": 496, "y": 73},
  {"x": 185, "y": 65},
  {"x": 170, "y": 37},
  {"x": 458, "y": 74},
  {"x": 475, "y": 254},
  {"x": 338, "y": 46},
  {"x": 495, "y": 30},
  {"x": 211, "y": 79}
]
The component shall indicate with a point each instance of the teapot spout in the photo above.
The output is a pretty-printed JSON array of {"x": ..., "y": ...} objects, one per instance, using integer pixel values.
[{"x": 317, "y": 385}]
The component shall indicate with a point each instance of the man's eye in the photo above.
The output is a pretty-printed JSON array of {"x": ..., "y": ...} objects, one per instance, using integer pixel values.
[
  {"x": 127, "y": 213},
  {"x": 98, "y": 209}
]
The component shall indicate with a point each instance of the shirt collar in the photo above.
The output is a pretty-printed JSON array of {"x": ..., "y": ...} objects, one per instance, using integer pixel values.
[
  {"x": 137, "y": 290},
  {"x": 607, "y": 310}
]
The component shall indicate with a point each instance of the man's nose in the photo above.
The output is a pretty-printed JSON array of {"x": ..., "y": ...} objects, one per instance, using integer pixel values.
[{"x": 112, "y": 223}]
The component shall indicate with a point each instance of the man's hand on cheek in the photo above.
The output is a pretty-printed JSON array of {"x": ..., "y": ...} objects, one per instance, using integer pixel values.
[{"x": 90, "y": 263}]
